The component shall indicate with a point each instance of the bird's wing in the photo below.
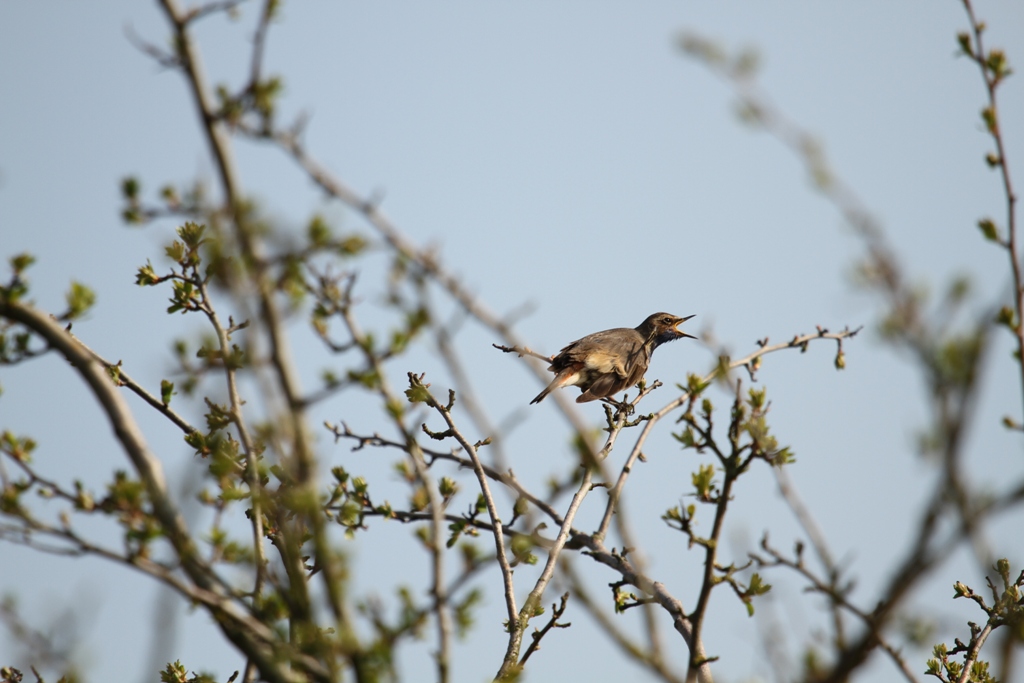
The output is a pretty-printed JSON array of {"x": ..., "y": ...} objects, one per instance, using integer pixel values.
[
  {"x": 603, "y": 387},
  {"x": 603, "y": 352}
]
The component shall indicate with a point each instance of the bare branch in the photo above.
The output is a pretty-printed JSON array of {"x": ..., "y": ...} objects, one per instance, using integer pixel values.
[
  {"x": 837, "y": 597},
  {"x": 557, "y": 610}
]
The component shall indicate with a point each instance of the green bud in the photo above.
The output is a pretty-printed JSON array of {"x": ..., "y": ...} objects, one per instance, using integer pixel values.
[
  {"x": 988, "y": 229},
  {"x": 964, "y": 40},
  {"x": 20, "y": 262},
  {"x": 130, "y": 188},
  {"x": 988, "y": 115},
  {"x": 1005, "y": 317},
  {"x": 166, "y": 391}
]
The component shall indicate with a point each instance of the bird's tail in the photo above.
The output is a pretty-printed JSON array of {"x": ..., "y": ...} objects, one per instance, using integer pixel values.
[
  {"x": 564, "y": 378},
  {"x": 541, "y": 395}
]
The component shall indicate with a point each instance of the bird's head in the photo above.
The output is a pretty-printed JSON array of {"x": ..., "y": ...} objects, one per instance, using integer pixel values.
[{"x": 663, "y": 327}]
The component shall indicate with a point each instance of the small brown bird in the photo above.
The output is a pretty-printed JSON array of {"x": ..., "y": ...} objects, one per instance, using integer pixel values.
[{"x": 604, "y": 363}]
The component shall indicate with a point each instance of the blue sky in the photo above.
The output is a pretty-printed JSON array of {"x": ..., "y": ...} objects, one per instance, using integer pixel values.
[{"x": 565, "y": 157}]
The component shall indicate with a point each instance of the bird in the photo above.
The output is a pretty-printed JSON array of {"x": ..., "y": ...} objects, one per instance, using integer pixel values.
[{"x": 604, "y": 363}]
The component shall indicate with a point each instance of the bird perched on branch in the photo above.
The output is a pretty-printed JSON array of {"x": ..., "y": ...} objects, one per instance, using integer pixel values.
[{"x": 604, "y": 363}]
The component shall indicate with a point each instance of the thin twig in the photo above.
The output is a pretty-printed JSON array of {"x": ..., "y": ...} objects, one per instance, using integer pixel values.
[
  {"x": 992, "y": 81},
  {"x": 492, "y": 509},
  {"x": 252, "y": 473},
  {"x": 818, "y": 541},
  {"x": 652, "y": 660},
  {"x": 123, "y": 379},
  {"x": 557, "y": 610},
  {"x": 508, "y": 478},
  {"x": 839, "y": 599}
]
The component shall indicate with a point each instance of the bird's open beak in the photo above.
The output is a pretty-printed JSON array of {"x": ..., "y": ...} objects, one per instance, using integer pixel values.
[{"x": 675, "y": 327}]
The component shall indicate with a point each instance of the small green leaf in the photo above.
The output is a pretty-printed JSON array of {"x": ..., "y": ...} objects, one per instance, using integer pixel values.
[
  {"x": 685, "y": 437},
  {"x": 703, "y": 481},
  {"x": 192, "y": 234},
  {"x": 146, "y": 275},
  {"x": 418, "y": 391},
  {"x": 369, "y": 379},
  {"x": 418, "y": 394},
  {"x": 757, "y": 398},
  {"x": 80, "y": 299},
  {"x": 757, "y": 586},
  {"x": 784, "y": 456},
  {"x": 694, "y": 384},
  {"x": 175, "y": 251}
]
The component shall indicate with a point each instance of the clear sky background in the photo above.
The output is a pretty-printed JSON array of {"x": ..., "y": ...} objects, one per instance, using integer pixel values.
[{"x": 564, "y": 156}]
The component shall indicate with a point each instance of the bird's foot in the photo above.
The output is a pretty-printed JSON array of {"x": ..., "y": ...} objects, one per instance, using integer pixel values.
[{"x": 623, "y": 406}]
